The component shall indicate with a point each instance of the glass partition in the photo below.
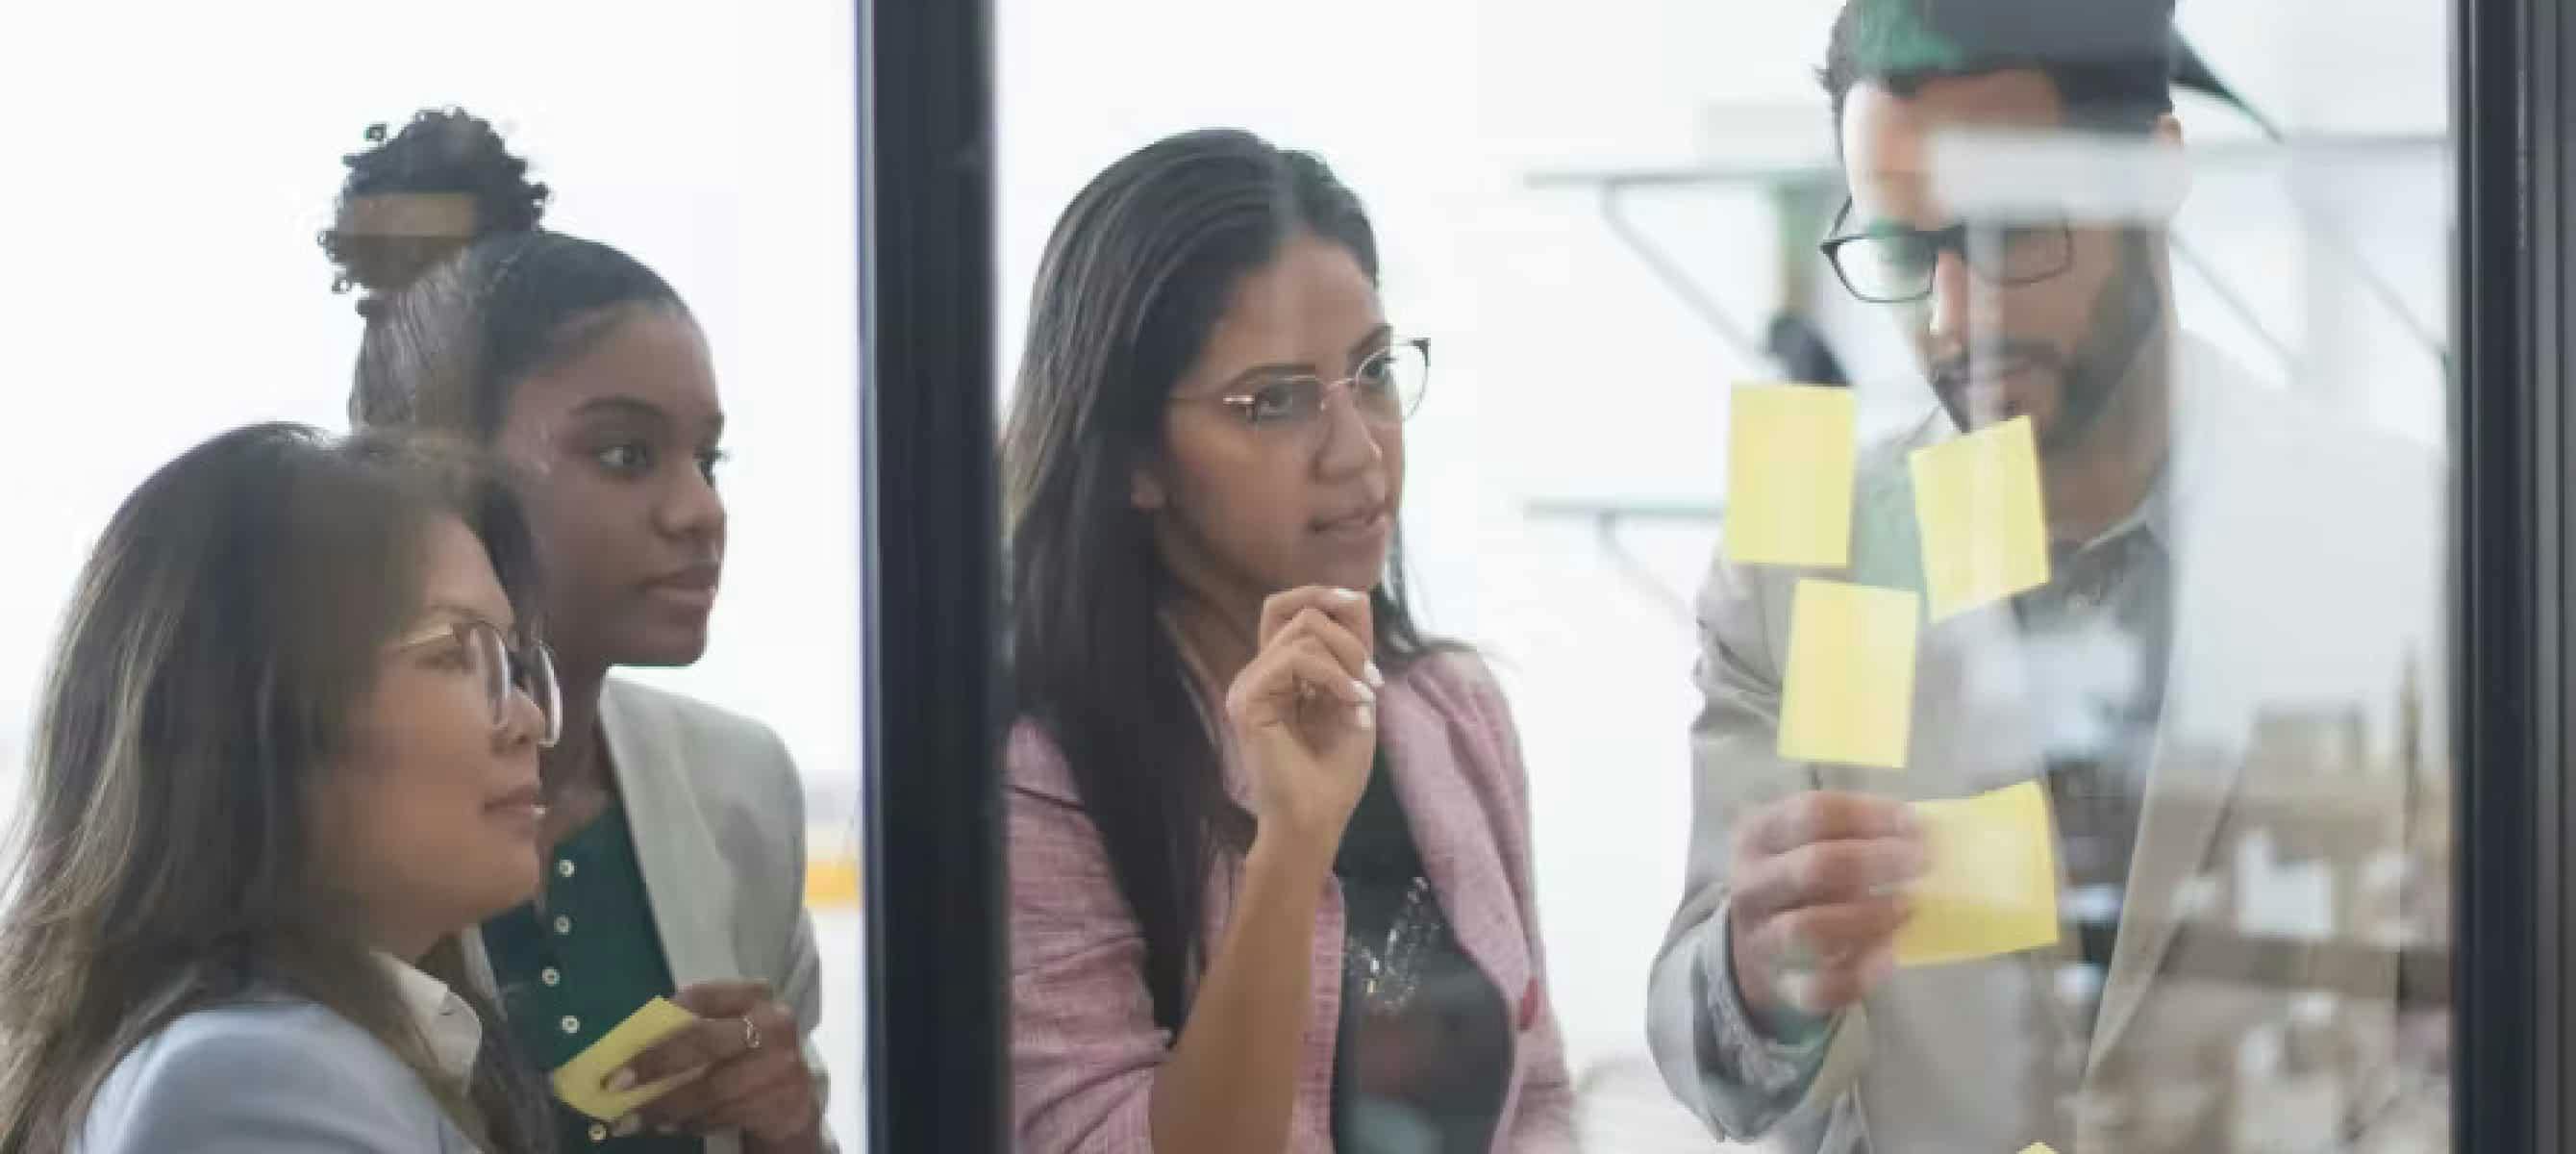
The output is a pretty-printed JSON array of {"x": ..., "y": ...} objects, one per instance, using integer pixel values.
[{"x": 1906, "y": 607}]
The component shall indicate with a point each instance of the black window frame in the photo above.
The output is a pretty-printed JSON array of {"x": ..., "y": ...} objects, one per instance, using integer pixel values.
[
  {"x": 2510, "y": 582},
  {"x": 936, "y": 1044}
]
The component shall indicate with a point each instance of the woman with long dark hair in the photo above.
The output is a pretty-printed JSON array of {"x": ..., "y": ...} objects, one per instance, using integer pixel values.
[
  {"x": 675, "y": 836},
  {"x": 287, "y": 751},
  {"x": 1269, "y": 846}
]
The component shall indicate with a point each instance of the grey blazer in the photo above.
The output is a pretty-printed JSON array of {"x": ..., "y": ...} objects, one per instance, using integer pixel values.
[
  {"x": 2308, "y": 578},
  {"x": 265, "y": 1077},
  {"x": 719, "y": 825}
]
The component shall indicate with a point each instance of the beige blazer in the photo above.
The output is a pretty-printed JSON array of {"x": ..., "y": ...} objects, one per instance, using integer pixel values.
[
  {"x": 2308, "y": 598},
  {"x": 719, "y": 823}
]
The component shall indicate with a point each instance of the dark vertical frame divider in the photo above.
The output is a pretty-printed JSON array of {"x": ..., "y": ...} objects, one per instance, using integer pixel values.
[
  {"x": 935, "y": 926},
  {"x": 2511, "y": 706}
]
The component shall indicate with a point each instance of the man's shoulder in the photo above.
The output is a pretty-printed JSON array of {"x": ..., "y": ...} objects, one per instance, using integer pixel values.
[{"x": 2274, "y": 451}]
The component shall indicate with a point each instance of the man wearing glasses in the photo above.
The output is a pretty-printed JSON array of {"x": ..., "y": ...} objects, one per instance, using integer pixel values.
[{"x": 2208, "y": 687}]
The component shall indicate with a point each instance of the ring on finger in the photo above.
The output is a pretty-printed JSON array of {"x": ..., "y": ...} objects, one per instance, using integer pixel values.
[{"x": 750, "y": 1034}]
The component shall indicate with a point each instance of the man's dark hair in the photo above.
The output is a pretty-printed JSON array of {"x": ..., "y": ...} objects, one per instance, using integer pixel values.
[{"x": 2111, "y": 60}]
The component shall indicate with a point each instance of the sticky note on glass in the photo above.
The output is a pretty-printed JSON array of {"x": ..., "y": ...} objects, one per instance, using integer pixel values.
[
  {"x": 1993, "y": 885},
  {"x": 1789, "y": 475},
  {"x": 1849, "y": 697},
  {"x": 1977, "y": 502},
  {"x": 581, "y": 1082}
]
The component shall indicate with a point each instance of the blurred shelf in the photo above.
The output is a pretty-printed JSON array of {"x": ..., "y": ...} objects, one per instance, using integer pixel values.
[
  {"x": 1823, "y": 170},
  {"x": 1615, "y": 511}
]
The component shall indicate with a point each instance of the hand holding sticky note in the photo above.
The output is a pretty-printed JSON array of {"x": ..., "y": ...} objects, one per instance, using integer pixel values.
[
  {"x": 1992, "y": 888},
  {"x": 1849, "y": 697},
  {"x": 1789, "y": 460},
  {"x": 1984, "y": 529},
  {"x": 581, "y": 1083}
]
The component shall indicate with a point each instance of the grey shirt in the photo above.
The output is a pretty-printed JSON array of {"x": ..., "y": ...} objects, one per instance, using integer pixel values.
[{"x": 2097, "y": 638}]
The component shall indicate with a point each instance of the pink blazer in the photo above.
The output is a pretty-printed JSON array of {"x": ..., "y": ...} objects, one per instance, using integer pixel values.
[{"x": 1084, "y": 1047}]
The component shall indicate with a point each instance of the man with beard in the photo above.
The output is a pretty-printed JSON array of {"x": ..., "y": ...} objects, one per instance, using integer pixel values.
[{"x": 2207, "y": 686}]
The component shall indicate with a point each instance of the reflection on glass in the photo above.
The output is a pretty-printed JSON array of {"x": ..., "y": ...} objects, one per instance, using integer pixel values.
[
  {"x": 2208, "y": 669},
  {"x": 2035, "y": 450}
]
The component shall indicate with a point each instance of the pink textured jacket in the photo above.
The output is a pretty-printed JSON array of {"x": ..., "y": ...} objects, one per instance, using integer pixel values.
[{"x": 1084, "y": 1047}]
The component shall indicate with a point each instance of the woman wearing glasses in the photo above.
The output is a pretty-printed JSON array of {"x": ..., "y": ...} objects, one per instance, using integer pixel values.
[
  {"x": 288, "y": 750},
  {"x": 1269, "y": 854},
  {"x": 674, "y": 838}
]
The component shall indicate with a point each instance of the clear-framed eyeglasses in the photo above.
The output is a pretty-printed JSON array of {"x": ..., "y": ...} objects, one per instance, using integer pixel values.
[
  {"x": 502, "y": 667},
  {"x": 1386, "y": 388}
]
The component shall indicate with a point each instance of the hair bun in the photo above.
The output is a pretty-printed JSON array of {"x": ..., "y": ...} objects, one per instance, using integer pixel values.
[{"x": 446, "y": 180}]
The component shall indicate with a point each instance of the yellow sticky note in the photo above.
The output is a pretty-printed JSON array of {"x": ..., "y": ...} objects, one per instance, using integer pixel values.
[
  {"x": 1789, "y": 475},
  {"x": 579, "y": 1082},
  {"x": 1993, "y": 885},
  {"x": 1849, "y": 699},
  {"x": 1985, "y": 533}
]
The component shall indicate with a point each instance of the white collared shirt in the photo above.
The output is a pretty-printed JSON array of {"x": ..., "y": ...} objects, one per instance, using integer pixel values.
[{"x": 446, "y": 1023}]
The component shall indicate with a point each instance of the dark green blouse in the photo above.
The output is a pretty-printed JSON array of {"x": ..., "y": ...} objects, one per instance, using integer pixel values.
[{"x": 574, "y": 965}]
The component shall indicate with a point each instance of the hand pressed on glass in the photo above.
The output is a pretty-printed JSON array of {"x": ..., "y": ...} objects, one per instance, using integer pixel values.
[
  {"x": 1992, "y": 888},
  {"x": 1818, "y": 901}
]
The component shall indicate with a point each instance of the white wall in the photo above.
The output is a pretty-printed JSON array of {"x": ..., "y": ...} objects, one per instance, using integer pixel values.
[{"x": 171, "y": 163}]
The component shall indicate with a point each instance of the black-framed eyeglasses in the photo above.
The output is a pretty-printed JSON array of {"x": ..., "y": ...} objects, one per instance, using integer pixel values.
[
  {"x": 1386, "y": 388},
  {"x": 1896, "y": 266},
  {"x": 503, "y": 668}
]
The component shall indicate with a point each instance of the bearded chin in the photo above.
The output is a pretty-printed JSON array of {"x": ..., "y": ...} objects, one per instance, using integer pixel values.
[{"x": 2127, "y": 317}]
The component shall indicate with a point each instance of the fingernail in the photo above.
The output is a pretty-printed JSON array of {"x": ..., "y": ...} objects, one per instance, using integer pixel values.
[
  {"x": 1366, "y": 717},
  {"x": 619, "y": 1082},
  {"x": 1376, "y": 679},
  {"x": 1361, "y": 690},
  {"x": 1347, "y": 595},
  {"x": 628, "y": 1126}
]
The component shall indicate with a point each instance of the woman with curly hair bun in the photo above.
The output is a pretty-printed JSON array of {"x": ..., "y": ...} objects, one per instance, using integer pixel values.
[
  {"x": 674, "y": 842},
  {"x": 445, "y": 180}
]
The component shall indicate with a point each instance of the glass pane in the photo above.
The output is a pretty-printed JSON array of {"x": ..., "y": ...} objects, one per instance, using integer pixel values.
[
  {"x": 1910, "y": 614},
  {"x": 692, "y": 291}
]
